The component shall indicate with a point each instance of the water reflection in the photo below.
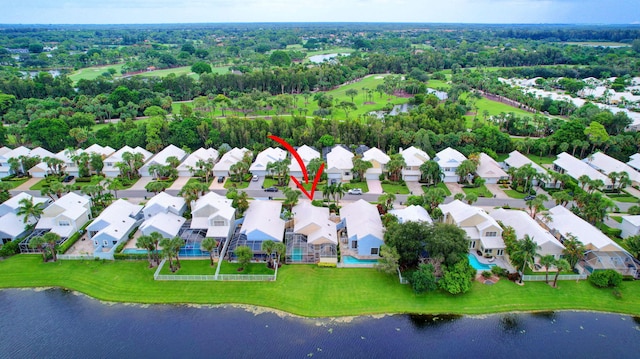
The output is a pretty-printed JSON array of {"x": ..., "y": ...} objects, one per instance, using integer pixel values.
[
  {"x": 422, "y": 321},
  {"x": 511, "y": 323}
]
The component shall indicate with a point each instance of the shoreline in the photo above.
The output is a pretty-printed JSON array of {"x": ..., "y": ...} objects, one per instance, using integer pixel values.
[{"x": 257, "y": 309}]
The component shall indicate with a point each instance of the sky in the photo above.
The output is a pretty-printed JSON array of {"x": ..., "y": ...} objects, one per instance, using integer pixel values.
[{"x": 212, "y": 11}]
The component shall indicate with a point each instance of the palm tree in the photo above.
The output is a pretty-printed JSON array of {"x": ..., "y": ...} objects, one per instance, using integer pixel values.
[
  {"x": 360, "y": 167},
  {"x": 155, "y": 239},
  {"x": 38, "y": 242},
  {"x": 192, "y": 191},
  {"x": 209, "y": 244},
  {"x": 584, "y": 180},
  {"x": 168, "y": 251},
  {"x": 145, "y": 242},
  {"x": 338, "y": 192},
  {"x": 291, "y": 197},
  {"x": 156, "y": 186},
  {"x": 536, "y": 205},
  {"x": 471, "y": 198},
  {"x": 431, "y": 172},
  {"x": 386, "y": 200},
  {"x": 280, "y": 249},
  {"x": 241, "y": 202},
  {"x": 547, "y": 261},
  {"x": 113, "y": 184},
  {"x": 244, "y": 255},
  {"x": 466, "y": 168},
  {"x": 52, "y": 240},
  {"x": 573, "y": 249},
  {"x": 561, "y": 265},
  {"x": 269, "y": 247},
  {"x": 525, "y": 253},
  {"x": 28, "y": 208},
  {"x": 395, "y": 165}
]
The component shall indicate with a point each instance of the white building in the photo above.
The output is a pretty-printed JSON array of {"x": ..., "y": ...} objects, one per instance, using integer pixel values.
[
  {"x": 213, "y": 213},
  {"x": 413, "y": 158},
  {"x": 378, "y": 160},
  {"x": 630, "y": 226},
  {"x": 164, "y": 203},
  {"x": 449, "y": 160},
  {"x": 565, "y": 163},
  {"x": 634, "y": 161},
  {"x": 306, "y": 154},
  {"x": 523, "y": 225},
  {"x": 12, "y": 225},
  {"x": 67, "y": 155},
  {"x": 517, "y": 160},
  {"x": 113, "y": 225},
  {"x": 66, "y": 215},
  {"x": 484, "y": 233},
  {"x": 412, "y": 213},
  {"x": 262, "y": 222},
  {"x": 264, "y": 158},
  {"x": 490, "y": 170},
  {"x": 201, "y": 154},
  {"x": 6, "y": 154},
  {"x": 111, "y": 170},
  {"x": 167, "y": 224},
  {"x": 161, "y": 159},
  {"x": 339, "y": 164},
  {"x": 361, "y": 228},
  {"x": 314, "y": 236},
  {"x": 606, "y": 165},
  {"x": 221, "y": 169}
]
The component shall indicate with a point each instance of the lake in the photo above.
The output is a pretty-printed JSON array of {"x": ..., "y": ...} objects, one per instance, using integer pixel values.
[
  {"x": 58, "y": 323},
  {"x": 318, "y": 59}
]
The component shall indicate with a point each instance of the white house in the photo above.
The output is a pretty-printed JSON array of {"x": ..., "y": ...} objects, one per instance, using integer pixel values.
[
  {"x": 164, "y": 203},
  {"x": 213, "y": 213},
  {"x": 168, "y": 224},
  {"x": 490, "y": 170},
  {"x": 412, "y": 213},
  {"x": 517, "y": 160},
  {"x": 361, "y": 228},
  {"x": 523, "y": 224},
  {"x": 269, "y": 155},
  {"x": 70, "y": 166},
  {"x": 378, "y": 160},
  {"x": 413, "y": 158},
  {"x": 634, "y": 161},
  {"x": 606, "y": 165},
  {"x": 12, "y": 225},
  {"x": 204, "y": 154},
  {"x": 66, "y": 215},
  {"x": 114, "y": 224},
  {"x": 601, "y": 251},
  {"x": 306, "y": 154},
  {"x": 230, "y": 158},
  {"x": 565, "y": 163},
  {"x": 630, "y": 226},
  {"x": 262, "y": 222},
  {"x": 161, "y": 159},
  {"x": 485, "y": 234},
  {"x": 314, "y": 237},
  {"x": 5, "y": 168},
  {"x": 339, "y": 164},
  {"x": 110, "y": 169},
  {"x": 449, "y": 160}
]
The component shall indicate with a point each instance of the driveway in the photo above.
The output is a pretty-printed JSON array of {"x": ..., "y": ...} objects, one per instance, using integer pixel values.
[
  {"x": 216, "y": 185},
  {"x": 497, "y": 191},
  {"x": 415, "y": 188},
  {"x": 257, "y": 184},
  {"x": 30, "y": 182},
  {"x": 375, "y": 187},
  {"x": 180, "y": 182},
  {"x": 454, "y": 188},
  {"x": 142, "y": 182}
]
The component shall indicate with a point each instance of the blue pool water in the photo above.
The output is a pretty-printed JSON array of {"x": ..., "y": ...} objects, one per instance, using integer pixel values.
[
  {"x": 477, "y": 265},
  {"x": 134, "y": 251},
  {"x": 191, "y": 251},
  {"x": 354, "y": 260}
]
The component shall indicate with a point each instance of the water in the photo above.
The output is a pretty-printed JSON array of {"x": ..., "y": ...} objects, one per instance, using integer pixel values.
[
  {"x": 318, "y": 59},
  {"x": 477, "y": 265},
  {"x": 192, "y": 250},
  {"x": 354, "y": 260},
  {"x": 57, "y": 323}
]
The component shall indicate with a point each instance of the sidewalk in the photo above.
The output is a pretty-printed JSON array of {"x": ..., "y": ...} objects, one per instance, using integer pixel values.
[
  {"x": 415, "y": 188},
  {"x": 30, "y": 182},
  {"x": 497, "y": 191},
  {"x": 454, "y": 188},
  {"x": 180, "y": 182},
  {"x": 142, "y": 182}
]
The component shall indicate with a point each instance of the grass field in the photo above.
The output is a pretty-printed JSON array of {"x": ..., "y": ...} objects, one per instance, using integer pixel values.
[
  {"x": 308, "y": 290},
  {"x": 228, "y": 184},
  {"x": 395, "y": 188},
  {"x": 203, "y": 267},
  {"x": 440, "y": 185},
  {"x": 16, "y": 182},
  {"x": 481, "y": 191},
  {"x": 514, "y": 194},
  {"x": 493, "y": 108},
  {"x": 91, "y": 73},
  {"x": 541, "y": 160},
  {"x": 598, "y": 43},
  {"x": 438, "y": 84},
  {"x": 362, "y": 185}
]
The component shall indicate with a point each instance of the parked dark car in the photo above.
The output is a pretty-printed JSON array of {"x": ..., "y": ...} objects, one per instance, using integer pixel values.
[
  {"x": 271, "y": 189},
  {"x": 529, "y": 198},
  {"x": 68, "y": 179},
  {"x": 220, "y": 179}
]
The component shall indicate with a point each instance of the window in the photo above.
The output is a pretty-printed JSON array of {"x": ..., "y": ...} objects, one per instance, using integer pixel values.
[
  {"x": 491, "y": 234},
  {"x": 488, "y": 251},
  {"x": 347, "y": 173},
  {"x": 500, "y": 252},
  {"x": 472, "y": 244},
  {"x": 105, "y": 243},
  {"x": 219, "y": 223},
  {"x": 109, "y": 164},
  {"x": 64, "y": 223},
  {"x": 354, "y": 244},
  {"x": 374, "y": 251}
]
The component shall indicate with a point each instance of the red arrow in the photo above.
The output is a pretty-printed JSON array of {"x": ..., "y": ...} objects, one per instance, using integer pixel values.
[{"x": 296, "y": 155}]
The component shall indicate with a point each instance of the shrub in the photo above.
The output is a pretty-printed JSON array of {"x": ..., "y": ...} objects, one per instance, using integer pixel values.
[
  {"x": 486, "y": 274},
  {"x": 317, "y": 203},
  {"x": 69, "y": 242},
  {"x": 605, "y": 278},
  {"x": 327, "y": 264},
  {"x": 130, "y": 256},
  {"x": 10, "y": 248},
  {"x": 83, "y": 179},
  {"x": 499, "y": 271}
]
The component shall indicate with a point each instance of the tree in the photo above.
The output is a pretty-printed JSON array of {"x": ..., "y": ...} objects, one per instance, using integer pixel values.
[
  {"x": 389, "y": 260},
  {"x": 280, "y": 58},
  {"x": 423, "y": 280},
  {"x": 5, "y": 187},
  {"x": 351, "y": 93},
  {"x": 407, "y": 239},
  {"x": 573, "y": 249},
  {"x": 27, "y": 208},
  {"x": 430, "y": 172},
  {"x": 244, "y": 255},
  {"x": 536, "y": 205},
  {"x": 596, "y": 133},
  {"x": 525, "y": 252},
  {"x": 146, "y": 242},
  {"x": 52, "y": 239},
  {"x": 280, "y": 249},
  {"x": 465, "y": 169},
  {"x": 360, "y": 166},
  {"x": 561, "y": 265},
  {"x": 268, "y": 247},
  {"x": 471, "y": 198},
  {"x": 291, "y": 197},
  {"x": 241, "y": 202},
  {"x": 113, "y": 184},
  {"x": 446, "y": 241},
  {"x": 547, "y": 261},
  {"x": 38, "y": 243},
  {"x": 605, "y": 278},
  {"x": 395, "y": 165},
  {"x": 168, "y": 250},
  {"x": 633, "y": 244},
  {"x": 386, "y": 200},
  {"x": 201, "y": 67},
  {"x": 156, "y": 186},
  {"x": 209, "y": 244},
  {"x": 96, "y": 162},
  {"x": 457, "y": 278},
  {"x": 433, "y": 197}
]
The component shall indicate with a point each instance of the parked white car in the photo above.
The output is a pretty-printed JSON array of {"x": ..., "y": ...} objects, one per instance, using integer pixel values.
[{"x": 355, "y": 191}]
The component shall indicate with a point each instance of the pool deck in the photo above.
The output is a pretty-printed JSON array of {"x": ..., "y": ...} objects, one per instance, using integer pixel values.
[{"x": 499, "y": 261}]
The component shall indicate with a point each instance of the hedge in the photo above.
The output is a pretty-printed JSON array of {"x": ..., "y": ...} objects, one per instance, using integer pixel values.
[
  {"x": 72, "y": 240},
  {"x": 327, "y": 264}
]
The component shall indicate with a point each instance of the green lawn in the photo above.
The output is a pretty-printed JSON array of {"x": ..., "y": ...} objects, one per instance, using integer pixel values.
[
  {"x": 251, "y": 268},
  {"x": 362, "y": 185},
  {"x": 514, "y": 194},
  {"x": 623, "y": 197},
  {"x": 197, "y": 180},
  {"x": 203, "y": 267},
  {"x": 395, "y": 188},
  {"x": 438, "y": 84},
  {"x": 16, "y": 182},
  {"x": 98, "y": 126},
  {"x": 481, "y": 191},
  {"x": 270, "y": 182},
  {"x": 94, "y": 181},
  {"x": 308, "y": 290},
  {"x": 440, "y": 185},
  {"x": 228, "y": 184},
  {"x": 616, "y": 218},
  {"x": 494, "y": 108},
  {"x": 178, "y": 71},
  {"x": 39, "y": 185},
  {"x": 541, "y": 160},
  {"x": 91, "y": 73}
]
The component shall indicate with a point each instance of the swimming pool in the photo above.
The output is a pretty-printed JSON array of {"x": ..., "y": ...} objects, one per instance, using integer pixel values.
[
  {"x": 477, "y": 265},
  {"x": 185, "y": 251},
  {"x": 354, "y": 260}
]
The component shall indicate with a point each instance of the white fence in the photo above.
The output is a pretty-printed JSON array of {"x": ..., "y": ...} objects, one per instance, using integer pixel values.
[
  {"x": 541, "y": 278},
  {"x": 402, "y": 279},
  {"x": 219, "y": 277},
  {"x": 76, "y": 257}
]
